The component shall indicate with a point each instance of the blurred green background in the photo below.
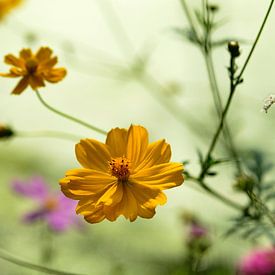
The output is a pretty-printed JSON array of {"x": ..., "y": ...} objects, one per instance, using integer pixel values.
[{"x": 98, "y": 89}]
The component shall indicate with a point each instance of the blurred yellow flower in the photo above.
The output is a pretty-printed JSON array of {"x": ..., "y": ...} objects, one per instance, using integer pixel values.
[
  {"x": 7, "y": 5},
  {"x": 125, "y": 176},
  {"x": 33, "y": 69}
]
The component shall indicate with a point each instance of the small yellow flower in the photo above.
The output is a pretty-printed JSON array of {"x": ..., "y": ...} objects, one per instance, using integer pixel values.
[
  {"x": 33, "y": 69},
  {"x": 125, "y": 176},
  {"x": 7, "y": 5}
]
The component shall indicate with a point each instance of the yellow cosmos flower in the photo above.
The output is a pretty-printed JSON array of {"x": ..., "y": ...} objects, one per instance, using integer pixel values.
[
  {"x": 125, "y": 176},
  {"x": 7, "y": 5},
  {"x": 33, "y": 69}
]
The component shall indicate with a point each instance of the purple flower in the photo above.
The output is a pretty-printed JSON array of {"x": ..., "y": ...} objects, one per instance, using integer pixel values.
[
  {"x": 258, "y": 262},
  {"x": 52, "y": 207},
  {"x": 197, "y": 231}
]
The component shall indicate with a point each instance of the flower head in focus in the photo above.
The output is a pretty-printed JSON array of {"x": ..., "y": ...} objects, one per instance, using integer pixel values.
[
  {"x": 6, "y": 6},
  {"x": 33, "y": 69},
  {"x": 53, "y": 208},
  {"x": 258, "y": 262},
  {"x": 125, "y": 176}
]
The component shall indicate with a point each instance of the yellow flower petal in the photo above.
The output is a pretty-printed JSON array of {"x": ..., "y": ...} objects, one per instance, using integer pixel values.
[
  {"x": 146, "y": 196},
  {"x": 87, "y": 182},
  {"x": 14, "y": 61},
  {"x": 126, "y": 207},
  {"x": 36, "y": 82},
  {"x": 55, "y": 75},
  {"x": 137, "y": 144},
  {"x": 162, "y": 176},
  {"x": 113, "y": 195},
  {"x": 96, "y": 215},
  {"x": 21, "y": 86},
  {"x": 43, "y": 54},
  {"x": 117, "y": 142},
  {"x": 93, "y": 154},
  {"x": 157, "y": 152},
  {"x": 48, "y": 64},
  {"x": 26, "y": 54}
]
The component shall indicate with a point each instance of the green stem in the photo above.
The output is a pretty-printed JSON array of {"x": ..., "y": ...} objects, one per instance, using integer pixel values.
[
  {"x": 218, "y": 104},
  {"x": 255, "y": 42},
  {"x": 257, "y": 201},
  {"x": 69, "y": 116},
  {"x": 206, "y": 50},
  {"x": 233, "y": 86},
  {"x": 46, "y": 134},
  {"x": 4, "y": 255},
  {"x": 216, "y": 136},
  {"x": 217, "y": 195},
  {"x": 190, "y": 20}
]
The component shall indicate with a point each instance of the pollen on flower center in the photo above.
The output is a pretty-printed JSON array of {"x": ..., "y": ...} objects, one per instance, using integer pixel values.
[
  {"x": 31, "y": 65},
  {"x": 51, "y": 204},
  {"x": 120, "y": 168}
]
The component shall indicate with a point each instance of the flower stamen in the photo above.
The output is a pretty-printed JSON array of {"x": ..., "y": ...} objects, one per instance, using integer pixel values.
[
  {"x": 119, "y": 167},
  {"x": 31, "y": 65},
  {"x": 51, "y": 204}
]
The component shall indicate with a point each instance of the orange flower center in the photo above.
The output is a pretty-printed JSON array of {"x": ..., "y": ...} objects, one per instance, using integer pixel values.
[
  {"x": 120, "y": 168},
  {"x": 31, "y": 65},
  {"x": 50, "y": 204}
]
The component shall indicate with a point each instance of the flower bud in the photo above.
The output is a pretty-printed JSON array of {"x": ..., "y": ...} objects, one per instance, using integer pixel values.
[
  {"x": 244, "y": 183},
  {"x": 213, "y": 8},
  {"x": 234, "y": 48},
  {"x": 5, "y": 132}
]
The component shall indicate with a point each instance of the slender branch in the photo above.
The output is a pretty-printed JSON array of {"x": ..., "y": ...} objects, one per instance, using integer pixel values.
[
  {"x": 190, "y": 20},
  {"x": 233, "y": 86},
  {"x": 256, "y": 200},
  {"x": 206, "y": 50},
  {"x": 255, "y": 42},
  {"x": 218, "y": 104},
  {"x": 216, "y": 136},
  {"x": 46, "y": 134},
  {"x": 215, "y": 194},
  {"x": 4, "y": 255},
  {"x": 69, "y": 116}
]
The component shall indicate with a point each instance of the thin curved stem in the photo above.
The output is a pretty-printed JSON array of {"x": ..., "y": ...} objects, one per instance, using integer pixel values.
[
  {"x": 217, "y": 195},
  {"x": 4, "y": 255},
  {"x": 47, "y": 134},
  {"x": 87, "y": 125},
  {"x": 255, "y": 42}
]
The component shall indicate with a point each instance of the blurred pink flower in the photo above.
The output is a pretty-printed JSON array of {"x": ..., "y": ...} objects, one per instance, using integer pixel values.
[
  {"x": 258, "y": 262},
  {"x": 197, "y": 231},
  {"x": 52, "y": 207}
]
